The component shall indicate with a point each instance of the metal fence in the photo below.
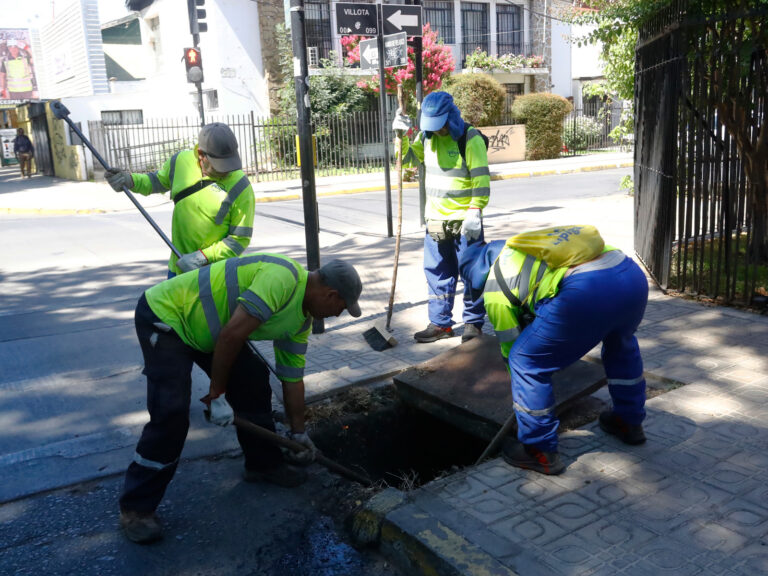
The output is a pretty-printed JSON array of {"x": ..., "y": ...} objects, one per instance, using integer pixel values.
[
  {"x": 595, "y": 127},
  {"x": 344, "y": 144},
  {"x": 268, "y": 148},
  {"x": 700, "y": 101}
]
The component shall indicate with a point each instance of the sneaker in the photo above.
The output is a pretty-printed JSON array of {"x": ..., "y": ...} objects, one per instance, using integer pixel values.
[
  {"x": 432, "y": 333},
  {"x": 613, "y": 424},
  {"x": 281, "y": 475},
  {"x": 470, "y": 331},
  {"x": 531, "y": 458},
  {"x": 140, "y": 527}
]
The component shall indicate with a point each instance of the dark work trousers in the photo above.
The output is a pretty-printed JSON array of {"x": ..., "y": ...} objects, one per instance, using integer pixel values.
[{"x": 168, "y": 368}]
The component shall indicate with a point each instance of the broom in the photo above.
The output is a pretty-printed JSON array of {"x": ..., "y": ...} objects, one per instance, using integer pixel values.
[{"x": 380, "y": 337}]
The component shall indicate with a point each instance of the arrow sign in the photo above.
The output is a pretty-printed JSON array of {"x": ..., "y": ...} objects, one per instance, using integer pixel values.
[
  {"x": 358, "y": 19},
  {"x": 395, "y": 52},
  {"x": 401, "y": 18}
]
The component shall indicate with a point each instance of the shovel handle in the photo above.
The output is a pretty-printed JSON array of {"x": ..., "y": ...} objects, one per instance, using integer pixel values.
[{"x": 270, "y": 436}]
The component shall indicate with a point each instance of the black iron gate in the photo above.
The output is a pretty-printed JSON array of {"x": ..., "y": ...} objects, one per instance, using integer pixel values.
[
  {"x": 700, "y": 101},
  {"x": 43, "y": 156}
]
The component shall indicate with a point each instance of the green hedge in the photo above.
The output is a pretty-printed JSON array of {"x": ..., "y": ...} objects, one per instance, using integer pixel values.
[
  {"x": 480, "y": 98},
  {"x": 543, "y": 115}
]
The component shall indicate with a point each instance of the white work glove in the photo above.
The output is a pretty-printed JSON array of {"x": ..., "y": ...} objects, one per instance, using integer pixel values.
[
  {"x": 306, "y": 456},
  {"x": 118, "y": 178},
  {"x": 220, "y": 412},
  {"x": 192, "y": 261},
  {"x": 472, "y": 224},
  {"x": 401, "y": 123}
]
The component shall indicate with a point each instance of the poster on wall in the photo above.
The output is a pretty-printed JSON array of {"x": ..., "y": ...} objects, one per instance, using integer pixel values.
[
  {"x": 6, "y": 139},
  {"x": 17, "y": 68}
]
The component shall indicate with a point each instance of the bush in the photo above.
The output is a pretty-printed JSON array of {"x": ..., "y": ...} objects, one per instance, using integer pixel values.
[
  {"x": 543, "y": 116},
  {"x": 580, "y": 132},
  {"x": 479, "y": 97}
]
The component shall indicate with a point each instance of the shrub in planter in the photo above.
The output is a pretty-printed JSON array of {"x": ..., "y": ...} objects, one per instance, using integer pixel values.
[
  {"x": 543, "y": 115},
  {"x": 479, "y": 97},
  {"x": 580, "y": 132}
]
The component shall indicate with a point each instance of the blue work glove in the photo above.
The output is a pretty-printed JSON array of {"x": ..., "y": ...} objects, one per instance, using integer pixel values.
[
  {"x": 192, "y": 261},
  {"x": 472, "y": 224},
  {"x": 306, "y": 456},
  {"x": 118, "y": 178},
  {"x": 402, "y": 123}
]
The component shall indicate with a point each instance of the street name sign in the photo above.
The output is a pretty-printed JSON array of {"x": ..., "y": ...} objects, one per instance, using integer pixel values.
[
  {"x": 395, "y": 52},
  {"x": 358, "y": 19},
  {"x": 401, "y": 18}
]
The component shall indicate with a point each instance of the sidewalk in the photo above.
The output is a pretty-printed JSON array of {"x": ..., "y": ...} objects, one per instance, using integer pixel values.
[{"x": 692, "y": 500}]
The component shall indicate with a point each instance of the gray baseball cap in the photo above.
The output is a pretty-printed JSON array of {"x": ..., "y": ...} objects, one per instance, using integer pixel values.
[
  {"x": 343, "y": 277},
  {"x": 218, "y": 142}
]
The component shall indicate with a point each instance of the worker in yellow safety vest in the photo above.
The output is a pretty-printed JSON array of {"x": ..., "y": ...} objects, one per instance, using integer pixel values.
[
  {"x": 206, "y": 317},
  {"x": 17, "y": 77},
  {"x": 552, "y": 295},
  {"x": 458, "y": 183},
  {"x": 214, "y": 202}
]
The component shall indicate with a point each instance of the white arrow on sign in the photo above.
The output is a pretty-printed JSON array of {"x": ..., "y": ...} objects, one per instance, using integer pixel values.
[
  {"x": 399, "y": 20},
  {"x": 371, "y": 54}
]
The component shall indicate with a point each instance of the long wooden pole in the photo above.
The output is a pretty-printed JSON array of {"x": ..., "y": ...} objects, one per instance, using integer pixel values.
[{"x": 399, "y": 170}]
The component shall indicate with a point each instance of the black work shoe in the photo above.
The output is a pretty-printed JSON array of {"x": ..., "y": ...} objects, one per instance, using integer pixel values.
[
  {"x": 470, "y": 331},
  {"x": 140, "y": 528},
  {"x": 432, "y": 333},
  {"x": 531, "y": 458},
  {"x": 281, "y": 475},
  {"x": 613, "y": 424}
]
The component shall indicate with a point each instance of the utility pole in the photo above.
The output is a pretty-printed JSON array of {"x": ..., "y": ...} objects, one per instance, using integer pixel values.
[
  {"x": 196, "y": 25},
  {"x": 308, "y": 192},
  {"x": 384, "y": 126}
]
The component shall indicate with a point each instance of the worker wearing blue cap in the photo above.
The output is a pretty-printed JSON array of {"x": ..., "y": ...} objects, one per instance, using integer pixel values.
[{"x": 457, "y": 185}]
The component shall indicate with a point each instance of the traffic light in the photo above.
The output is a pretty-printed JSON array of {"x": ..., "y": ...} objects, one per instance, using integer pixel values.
[
  {"x": 194, "y": 63},
  {"x": 196, "y": 16}
]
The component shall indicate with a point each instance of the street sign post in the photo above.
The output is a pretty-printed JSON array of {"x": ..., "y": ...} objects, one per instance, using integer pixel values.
[
  {"x": 395, "y": 52},
  {"x": 358, "y": 19},
  {"x": 401, "y": 18}
]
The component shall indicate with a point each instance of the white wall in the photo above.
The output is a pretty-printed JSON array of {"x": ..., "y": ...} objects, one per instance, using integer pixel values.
[
  {"x": 561, "y": 59},
  {"x": 71, "y": 55}
]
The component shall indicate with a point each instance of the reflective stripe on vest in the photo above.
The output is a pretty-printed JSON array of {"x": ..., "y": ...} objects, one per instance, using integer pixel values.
[
  {"x": 233, "y": 290},
  {"x": 232, "y": 195}
]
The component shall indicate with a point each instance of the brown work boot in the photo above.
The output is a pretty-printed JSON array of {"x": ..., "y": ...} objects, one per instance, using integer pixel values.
[
  {"x": 283, "y": 475},
  {"x": 141, "y": 528},
  {"x": 470, "y": 331},
  {"x": 432, "y": 333},
  {"x": 531, "y": 458}
]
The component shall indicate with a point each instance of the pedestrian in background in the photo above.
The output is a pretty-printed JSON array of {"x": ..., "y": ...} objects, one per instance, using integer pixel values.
[
  {"x": 458, "y": 186},
  {"x": 24, "y": 151},
  {"x": 206, "y": 317},
  {"x": 551, "y": 306},
  {"x": 214, "y": 202}
]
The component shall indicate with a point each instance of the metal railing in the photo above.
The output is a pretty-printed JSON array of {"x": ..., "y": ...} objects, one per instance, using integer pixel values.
[
  {"x": 594, "y": 127},
  {"x": 700, "y": 203}
]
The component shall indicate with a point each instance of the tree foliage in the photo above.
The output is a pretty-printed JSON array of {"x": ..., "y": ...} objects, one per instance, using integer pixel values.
[
  {"x": 479, "y": 97},
  {"x": 331, "y": 93},
  {"x": 437, "y": 64}
]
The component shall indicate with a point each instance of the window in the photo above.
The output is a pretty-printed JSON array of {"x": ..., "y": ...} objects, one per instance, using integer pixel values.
[
  {"x": 117, "y": 117},
  {"x": 509, "y": 29},
  {"x": 440, "y": 17},
  {"x": 317, "y": 23},
  {"x": 474, "y": 28}
]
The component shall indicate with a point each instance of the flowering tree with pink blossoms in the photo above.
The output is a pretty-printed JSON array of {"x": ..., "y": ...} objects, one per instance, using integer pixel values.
[{"x": 437, "y": 63}]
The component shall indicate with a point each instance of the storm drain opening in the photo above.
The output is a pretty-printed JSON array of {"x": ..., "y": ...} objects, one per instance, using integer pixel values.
[{"x": 371, "y": 430}]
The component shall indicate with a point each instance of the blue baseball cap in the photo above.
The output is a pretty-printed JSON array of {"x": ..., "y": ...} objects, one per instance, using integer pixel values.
[{"x": 434, "y": 111}]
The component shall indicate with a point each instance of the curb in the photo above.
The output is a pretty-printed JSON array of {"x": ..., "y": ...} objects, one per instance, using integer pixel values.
[{"x": 272, "y": 196}]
